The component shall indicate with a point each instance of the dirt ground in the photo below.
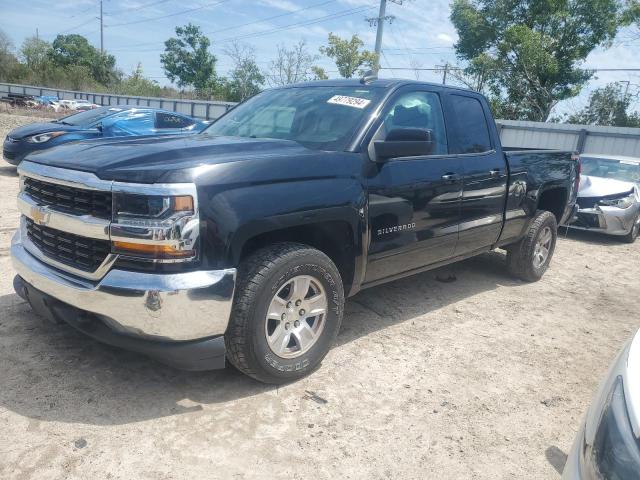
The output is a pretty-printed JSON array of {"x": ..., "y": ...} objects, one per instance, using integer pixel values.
[{"x": 482, "y": 378}]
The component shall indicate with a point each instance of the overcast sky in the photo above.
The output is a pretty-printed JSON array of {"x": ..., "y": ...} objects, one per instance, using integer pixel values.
[{"x": 421, "y": 34}]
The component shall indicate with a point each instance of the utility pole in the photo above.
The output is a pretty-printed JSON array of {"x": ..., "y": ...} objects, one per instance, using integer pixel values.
[
  {"x": 379, "y": 22},
  {"x": 101, "y": 33},
  {"x": 445, "y": 73},
  {"x": 37, "y": 34},
  {"x": 381, "y": 15}
]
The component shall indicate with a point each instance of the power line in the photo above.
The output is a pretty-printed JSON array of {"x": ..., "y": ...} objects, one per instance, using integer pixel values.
[
  {"x": 249, "y": 23},
  {"x": 135, "y": 9},
  {"x": 175, "y": 14},
  {"x": 304, "y": 23}
]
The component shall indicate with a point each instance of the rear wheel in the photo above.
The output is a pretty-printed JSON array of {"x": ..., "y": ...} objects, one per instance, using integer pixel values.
[
  {"x": 286, "y": 314},
  {"x": 530, "y": 257}
]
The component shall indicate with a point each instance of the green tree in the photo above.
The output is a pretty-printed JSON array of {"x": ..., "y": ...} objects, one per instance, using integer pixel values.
[
  {"x": 291, "y": 65},
  {"x": 76, "y": 51},
  {"x": 188, "y": 62},
  {"x": 9, "y": 65},
  {"x": 610, "y": 106},
  {"x": 35, "y": 53},
  {"x": 349, "y": 55},
  {"x": 138, "y": 84},
  {"x": 631, "y": 12},
  {"x": 245, "y": 79},
  {"x": 319, "y": 73},
  {"x": 529, "y": 54}
]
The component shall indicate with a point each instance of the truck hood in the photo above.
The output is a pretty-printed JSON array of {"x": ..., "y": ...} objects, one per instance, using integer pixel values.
[
  {"x": 36, "y": 128},
  {"x": 602, "y": 187},
  {"x": 162, "y": 159}
]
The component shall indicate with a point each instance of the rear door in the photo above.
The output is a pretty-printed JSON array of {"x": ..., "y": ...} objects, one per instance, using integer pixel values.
[
  {"x": 414, "y": 202},
  {"x": 484, "y": 169}
]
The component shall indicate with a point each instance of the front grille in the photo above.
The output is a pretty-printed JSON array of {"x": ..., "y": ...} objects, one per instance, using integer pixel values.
[
  {"x": 9, "y": 155},
  {"x": 76, "y": 201},
  {"x": 79, "y": 252}
]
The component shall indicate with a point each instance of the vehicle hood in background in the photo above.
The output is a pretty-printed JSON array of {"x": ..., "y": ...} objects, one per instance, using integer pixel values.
[
  {"x": 602, "y": 187},
  {"x": 155, "y": 159},
  {"x": 36, "y": 128}
]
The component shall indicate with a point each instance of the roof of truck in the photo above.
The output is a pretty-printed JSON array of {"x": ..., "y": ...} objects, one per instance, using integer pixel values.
[{"x": 380, "y": 82}]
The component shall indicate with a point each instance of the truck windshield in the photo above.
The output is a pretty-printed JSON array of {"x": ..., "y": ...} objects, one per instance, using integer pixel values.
[
  {"x": 628, "y": 171},
  {"x": 320, "y": 118}
]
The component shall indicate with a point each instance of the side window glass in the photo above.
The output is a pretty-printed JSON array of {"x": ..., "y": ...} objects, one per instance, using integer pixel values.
[
  {"x": 167, "y": 120},
  {"x": 472, "y": 130},
  {"x": 417, "y": 110}
]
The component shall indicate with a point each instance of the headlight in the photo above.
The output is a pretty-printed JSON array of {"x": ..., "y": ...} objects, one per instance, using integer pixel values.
[
  {"x": 155, "y": 227},
  {"x": 625, "y": 202},
  {"x": 43, "y": 137},
  {"x": 615, "y": 453}
]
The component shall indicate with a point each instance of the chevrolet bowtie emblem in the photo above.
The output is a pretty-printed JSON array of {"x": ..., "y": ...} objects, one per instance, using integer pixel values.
[{"x": 40, "y": 215}]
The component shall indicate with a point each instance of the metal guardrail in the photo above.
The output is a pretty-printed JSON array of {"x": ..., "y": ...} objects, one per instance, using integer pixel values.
[{"x": 208, "y": 110}]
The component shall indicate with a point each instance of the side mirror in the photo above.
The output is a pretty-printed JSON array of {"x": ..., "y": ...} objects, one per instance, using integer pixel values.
[{"x": 404, "y": 142}]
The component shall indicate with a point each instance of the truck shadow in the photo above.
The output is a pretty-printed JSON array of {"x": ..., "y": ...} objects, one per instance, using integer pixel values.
[
  {"x": 8, "y": 171},
  {"x": 54, "y": 373}
]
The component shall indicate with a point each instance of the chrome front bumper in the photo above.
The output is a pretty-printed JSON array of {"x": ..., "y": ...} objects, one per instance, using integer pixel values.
[{"x": 163, "y": 307}]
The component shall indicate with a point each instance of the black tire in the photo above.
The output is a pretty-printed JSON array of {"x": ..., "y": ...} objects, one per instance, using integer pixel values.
[
  {"x": 260, "y": 277},
  {"x": 520, "y": 256},
  {"x": 634, "y": 233}
]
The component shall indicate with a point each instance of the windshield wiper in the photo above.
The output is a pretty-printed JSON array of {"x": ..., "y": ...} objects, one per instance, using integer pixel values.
[{"x": 64, "y": 123}]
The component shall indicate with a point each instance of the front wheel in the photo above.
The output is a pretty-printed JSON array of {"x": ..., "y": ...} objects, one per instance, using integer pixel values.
[
  {"x": 286, "y": 314},
  {"x": 634, "y": 233},
  {"x": 530, "y": 257}
]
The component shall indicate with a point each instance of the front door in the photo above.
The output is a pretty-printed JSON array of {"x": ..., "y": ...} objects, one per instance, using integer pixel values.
[{"x": 414, "y": 202}]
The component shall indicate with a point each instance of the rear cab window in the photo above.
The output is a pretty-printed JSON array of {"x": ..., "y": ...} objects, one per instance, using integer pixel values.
[{"x": 472, "y": 131}]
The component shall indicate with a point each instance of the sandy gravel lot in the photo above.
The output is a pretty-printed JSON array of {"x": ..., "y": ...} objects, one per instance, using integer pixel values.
[{"x": 482, "y": 378}]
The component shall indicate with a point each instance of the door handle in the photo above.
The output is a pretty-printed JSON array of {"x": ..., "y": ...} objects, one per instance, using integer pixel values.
[
  {"x": 450, "y": 177},
  {"x": 495, "y": 172}
]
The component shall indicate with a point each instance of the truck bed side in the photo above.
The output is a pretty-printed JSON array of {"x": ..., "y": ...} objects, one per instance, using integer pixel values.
[{"x": 538, "y": 180}]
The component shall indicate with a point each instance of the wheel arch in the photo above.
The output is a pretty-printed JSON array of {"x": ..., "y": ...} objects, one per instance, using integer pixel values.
[
  {"x": 553, "y": 199},
  {"x": 335, "y": 238}
]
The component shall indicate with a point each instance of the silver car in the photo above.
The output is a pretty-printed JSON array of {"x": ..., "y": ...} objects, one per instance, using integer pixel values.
[
  {"x": 608, "y": 443},
  {"x": 609, "y": 196}
]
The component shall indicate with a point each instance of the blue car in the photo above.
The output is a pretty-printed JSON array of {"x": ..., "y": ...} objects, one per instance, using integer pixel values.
[{"x": 115, "y": 121}]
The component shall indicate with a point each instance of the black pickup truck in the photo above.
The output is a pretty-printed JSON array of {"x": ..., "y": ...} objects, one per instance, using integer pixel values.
[{"x": 244, "y": 241}]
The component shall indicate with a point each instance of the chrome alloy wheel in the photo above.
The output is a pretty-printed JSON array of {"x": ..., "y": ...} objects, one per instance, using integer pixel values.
[
  {"x": 296, "y": 317},
  {"x": 542, "y": 248}
]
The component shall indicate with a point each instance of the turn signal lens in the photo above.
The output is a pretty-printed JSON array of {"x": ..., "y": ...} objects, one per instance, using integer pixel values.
[
  {"x": 183, "y": 204},
  {"x": 151, "y": 251}
]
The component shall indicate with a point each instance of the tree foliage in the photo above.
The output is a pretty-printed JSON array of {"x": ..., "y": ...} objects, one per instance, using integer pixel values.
[
  {"x": 188, "y": 62},
  {"x": 529, "y": 53},
  {"x": 610, "y": 106},
  {"x": 291, "y": 65},
  {"x": 76, "y": 51},
  {"x": 8, "y": 61},
  {"x": 245, "y": 79},
  {"x": 349, "y": 55}
]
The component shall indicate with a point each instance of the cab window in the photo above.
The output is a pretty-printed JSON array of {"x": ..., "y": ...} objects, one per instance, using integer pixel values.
[
  {"x": 416, "y": 110},
  {"x": 472, "y": 130}
]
